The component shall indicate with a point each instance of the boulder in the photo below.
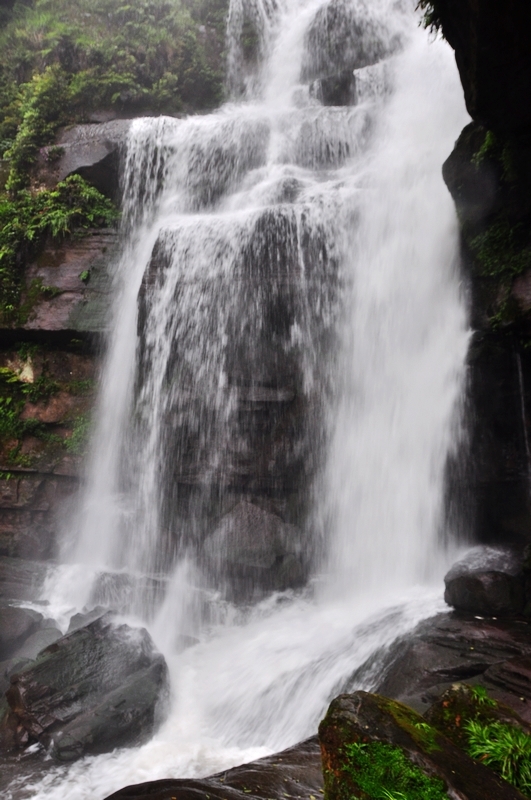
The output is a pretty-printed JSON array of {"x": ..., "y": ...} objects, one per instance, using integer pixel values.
[
  {"x": 452, "y": 648},
  {"x": 462, "y": 703},
  {"x": 294, "y": 773},
  {"x": 256, "y": 550},
  {"x": 92, "y": 151},
  {"x": 488, "y": 580},
  {"x": 375, "y": 747},
  {"x": 92, "y": 690},
  {"x": 343, "y": 37}
]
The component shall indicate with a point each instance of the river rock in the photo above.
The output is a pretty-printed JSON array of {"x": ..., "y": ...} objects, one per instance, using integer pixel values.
[
  {"x": 256, "y": 549},
  {"x": 92, "y": 690},
  {"x": 369, "y": 719},
  {"x": 293, "y": 773},
  {"x": 488, "y": 580}
]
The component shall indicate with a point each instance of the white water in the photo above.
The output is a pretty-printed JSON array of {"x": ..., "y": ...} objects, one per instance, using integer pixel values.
[{"x": 387, "y": 295}]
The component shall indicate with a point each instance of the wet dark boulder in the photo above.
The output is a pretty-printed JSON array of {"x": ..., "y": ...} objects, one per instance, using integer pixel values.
[
  {"x": 255, "y": 550},
  {"x": 488, "y": 580},
  {"x": 343, "y": 37},
  {"x": 462, "y": 704},
  {"x": 94, "y": 689},
  {"x": 455, "y": 647},
  {"x": 294, "y": 773},
  {"x": 372, "y": 744}
]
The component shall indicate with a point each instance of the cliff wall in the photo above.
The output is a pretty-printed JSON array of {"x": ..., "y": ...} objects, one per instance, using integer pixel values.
[{"x": 489, "y": 176}]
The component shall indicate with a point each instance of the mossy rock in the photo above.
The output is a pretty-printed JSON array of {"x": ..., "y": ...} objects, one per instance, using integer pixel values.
[
  {"x": 373, "y": 748},
  {"x": 463, "y": 703}
]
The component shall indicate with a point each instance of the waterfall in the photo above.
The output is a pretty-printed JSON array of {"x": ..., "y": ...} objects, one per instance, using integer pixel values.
[{"x": 286, "y": 356}]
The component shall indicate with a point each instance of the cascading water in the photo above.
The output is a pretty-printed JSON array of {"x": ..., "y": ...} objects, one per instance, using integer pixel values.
[{"x": 291, "y": 277}]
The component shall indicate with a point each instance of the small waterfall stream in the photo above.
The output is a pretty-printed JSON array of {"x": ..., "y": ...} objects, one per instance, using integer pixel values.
[{"x": 288, "y": 348}]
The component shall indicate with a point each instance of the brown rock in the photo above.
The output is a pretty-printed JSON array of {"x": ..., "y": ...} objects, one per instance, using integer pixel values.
[{"x": 53, "y": 410}]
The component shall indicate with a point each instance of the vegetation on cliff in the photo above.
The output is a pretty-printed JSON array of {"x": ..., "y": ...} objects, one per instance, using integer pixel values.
[{"x": 60, "y": 60}]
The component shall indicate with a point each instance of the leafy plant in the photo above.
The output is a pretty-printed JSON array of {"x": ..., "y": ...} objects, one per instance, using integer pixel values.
[
  {"x": 503, "y": 748},
  {"x": 62, "y": 59},
  {"x": 27, "y": 220},
  {"x": 384, "y": 772},
  {"x": 481, "y": 696},
  {"x": 432, "y": 17}
]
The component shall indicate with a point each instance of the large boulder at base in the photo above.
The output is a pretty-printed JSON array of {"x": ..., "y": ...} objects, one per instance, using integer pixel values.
[
  {"x": 94, "y": 689},
  {"x": 371, "y": 743},
  {"x": 256, "y": 550},
  {"x": 293, "y": 773},
  {"x": 488, "y": 580}
]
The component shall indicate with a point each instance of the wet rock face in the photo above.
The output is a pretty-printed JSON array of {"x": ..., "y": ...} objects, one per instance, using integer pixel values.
[
  {"x": 255, "y": 551},
  {"x": 489, "y": 581},
  {"x": 387, "y": 730},
  {"x": 492, "y": 43},
  {"x": 294, "y": 773},
  {"x": 456, "y": 647},
  {"x": 342, "y": 38},
  {"x": 96, "y": 688},
  {"x": 489, "y": 177}
]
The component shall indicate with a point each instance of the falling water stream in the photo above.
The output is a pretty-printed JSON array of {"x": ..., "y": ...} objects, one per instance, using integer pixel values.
[{"x": 279, "y": 251}]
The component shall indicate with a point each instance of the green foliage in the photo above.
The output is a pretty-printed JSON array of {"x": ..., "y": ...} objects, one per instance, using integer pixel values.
[
  {"x": 77, "y": 443},
  {"x": 42, "y": 108},
  {"x": 28, "y": 219},
  {"x": 384, "y": 772},
  {"x": 62, "y": 59},
  {"x": 502, "y": 249},
  {"x": 432, "y": 16},
  {"x": 503, "y": 748},
  {"x": 481, "y": 696},
  {"x": 489, "y": 147}
]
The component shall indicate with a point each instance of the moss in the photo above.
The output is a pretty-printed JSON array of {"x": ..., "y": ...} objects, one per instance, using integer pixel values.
[
  {"x": 384, "y": 771},
  {"x": 27, "y": 220},
  {"x": 77, "y": 443},
  {"x": 502, "y": 249}
]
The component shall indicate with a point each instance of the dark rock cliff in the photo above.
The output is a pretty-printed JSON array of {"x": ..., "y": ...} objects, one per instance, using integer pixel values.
[{"x": 489, "y": 176}]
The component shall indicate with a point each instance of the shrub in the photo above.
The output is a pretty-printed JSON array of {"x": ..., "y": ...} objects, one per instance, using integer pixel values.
[
  {"x": 503, "y": 748},
  {"x": 28, "y": 219}
]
